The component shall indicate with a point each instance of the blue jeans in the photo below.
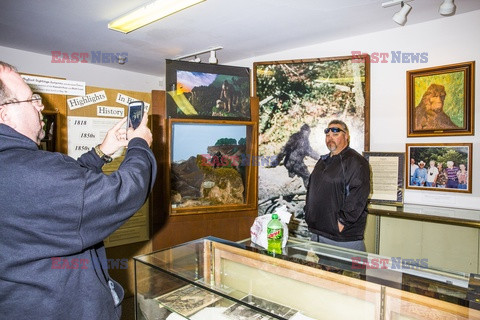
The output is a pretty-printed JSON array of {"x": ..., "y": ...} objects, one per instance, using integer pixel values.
[{"x": 452, "y": 184}]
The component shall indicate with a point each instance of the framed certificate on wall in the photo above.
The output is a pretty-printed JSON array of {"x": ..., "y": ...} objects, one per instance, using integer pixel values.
[{"x": 387, "y": 177}]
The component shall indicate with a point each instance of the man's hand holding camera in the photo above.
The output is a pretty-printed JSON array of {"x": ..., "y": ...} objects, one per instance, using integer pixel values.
[{"x": 117, "y": 137}]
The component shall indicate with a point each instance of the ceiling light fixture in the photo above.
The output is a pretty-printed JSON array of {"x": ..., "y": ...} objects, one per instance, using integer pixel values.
[
  {"x": 212, "y": 51},
  {"x": 196, "y": 59},
  {"x": 213, "y": 57},
  {"x": 447, "y": 8},
  {"x": 149, "y": 13},
  {"x": 121, "y": 59},
  {"x": 392, "y": 3},
  {"x": 401, "y": 16}
]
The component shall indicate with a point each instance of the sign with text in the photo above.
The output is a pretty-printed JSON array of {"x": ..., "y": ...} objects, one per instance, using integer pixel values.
[
  {"x": 84, "y": 133},
  {"x": 387, "y": 180},
  {"x": 89, "y": 99},
  {"x": 105, "y": 111},
  {"x": 55, "y": 86},
  {"x": 125, "y": 100}
]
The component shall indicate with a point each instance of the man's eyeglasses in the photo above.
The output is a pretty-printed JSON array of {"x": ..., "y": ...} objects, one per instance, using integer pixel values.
[
  {"x": 36, "y": 100},
  {"x": 333, "y": 129}
]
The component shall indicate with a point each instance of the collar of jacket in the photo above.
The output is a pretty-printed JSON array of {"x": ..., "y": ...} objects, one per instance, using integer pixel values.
[
  {"x": 325, "y": 156},
  {"x": 10, "y": 138}
]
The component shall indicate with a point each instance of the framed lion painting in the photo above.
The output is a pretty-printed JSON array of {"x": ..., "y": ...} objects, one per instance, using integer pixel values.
[{"x": 440, "y": 100}]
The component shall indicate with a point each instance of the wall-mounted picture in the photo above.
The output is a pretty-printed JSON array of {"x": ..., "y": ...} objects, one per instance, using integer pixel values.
[
  {"x": 209, "y": 164},
  {"x": 440, "y": 100},
  {"x": 387, "y": 177},
  {"x": 439, "y": 167},
  {"x": 207, "y": 91},
  {"x": 297, "y": 100}
]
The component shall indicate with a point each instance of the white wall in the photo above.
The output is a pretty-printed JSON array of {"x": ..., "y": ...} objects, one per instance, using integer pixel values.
[
  {"x": 93, "y": 74},
  {"x": 447, "y": 40}
]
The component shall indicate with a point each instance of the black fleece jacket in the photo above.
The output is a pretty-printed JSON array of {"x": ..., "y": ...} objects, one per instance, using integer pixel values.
[{"x": 338, "y": 190}]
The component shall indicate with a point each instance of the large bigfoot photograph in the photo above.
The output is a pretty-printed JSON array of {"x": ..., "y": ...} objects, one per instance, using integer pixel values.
[{"x": 297, "y": 101}]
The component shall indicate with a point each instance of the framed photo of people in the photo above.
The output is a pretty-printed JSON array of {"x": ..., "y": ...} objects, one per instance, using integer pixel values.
[
  {"x": 439, "y": 167},
  {"x": 440, "y": 100}
]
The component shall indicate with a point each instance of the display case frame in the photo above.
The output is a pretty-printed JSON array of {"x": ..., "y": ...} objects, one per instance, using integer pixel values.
[
  {"x": 219, "y": 171},
  {"x": 309, "y": 279}
]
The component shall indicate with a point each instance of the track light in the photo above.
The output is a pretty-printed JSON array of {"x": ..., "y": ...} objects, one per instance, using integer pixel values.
[
  {"x": 196, "y": 59},
  {"x": 121, "y": 59},
  {"x": 447, "y": 8},
  {"x": 213, "y": 57},
  {"x": 401, "y": 16},
  {"x": 394, "y": 3}
]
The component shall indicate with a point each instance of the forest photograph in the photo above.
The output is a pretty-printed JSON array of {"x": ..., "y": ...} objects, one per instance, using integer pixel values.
[{"x": 297, "y": 100}]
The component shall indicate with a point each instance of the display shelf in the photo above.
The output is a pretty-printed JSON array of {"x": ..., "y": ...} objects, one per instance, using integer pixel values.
[{"x": 446, "y": 215}]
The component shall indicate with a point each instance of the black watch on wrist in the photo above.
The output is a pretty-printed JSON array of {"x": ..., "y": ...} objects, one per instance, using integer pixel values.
[{"x": 102, "y": 155}]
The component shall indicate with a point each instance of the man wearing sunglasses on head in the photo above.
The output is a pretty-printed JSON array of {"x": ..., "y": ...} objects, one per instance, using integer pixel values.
[
  {"x": 55, "y": 212},
  {"x": 338, "y": 189}
]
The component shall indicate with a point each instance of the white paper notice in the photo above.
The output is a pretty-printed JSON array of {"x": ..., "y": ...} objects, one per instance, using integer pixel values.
[
  {"x": 125, "y": 100},
  {"x": 384, "y": 177},
  {"x": 55, "y": 86},
  {"x": 89, "y": 99},
  {"x": 84, "y": 133},
  {"x": 105, "y": 111}
]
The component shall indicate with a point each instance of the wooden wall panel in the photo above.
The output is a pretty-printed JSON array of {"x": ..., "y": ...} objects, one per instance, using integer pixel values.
[{"x": 172, "y": 230}]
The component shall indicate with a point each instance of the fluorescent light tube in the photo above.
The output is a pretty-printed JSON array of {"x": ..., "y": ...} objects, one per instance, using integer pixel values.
[{"x": 149, "y": 13}]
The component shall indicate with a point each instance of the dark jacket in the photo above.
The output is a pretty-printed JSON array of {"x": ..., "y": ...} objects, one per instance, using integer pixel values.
[
  {"x": 54, "y": 213},
  {"x": 338, "y": 191}
]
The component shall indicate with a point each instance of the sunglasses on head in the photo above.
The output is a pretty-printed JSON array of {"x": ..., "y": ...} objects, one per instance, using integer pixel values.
[{"x": 334, "y": 129}]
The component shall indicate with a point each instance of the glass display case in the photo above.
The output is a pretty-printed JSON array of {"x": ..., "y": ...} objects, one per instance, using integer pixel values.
[{"x": 211, "y": 278}]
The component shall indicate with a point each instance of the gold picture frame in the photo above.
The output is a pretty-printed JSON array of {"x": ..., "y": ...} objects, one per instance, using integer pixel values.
[{"x": 440, "y": 100}]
